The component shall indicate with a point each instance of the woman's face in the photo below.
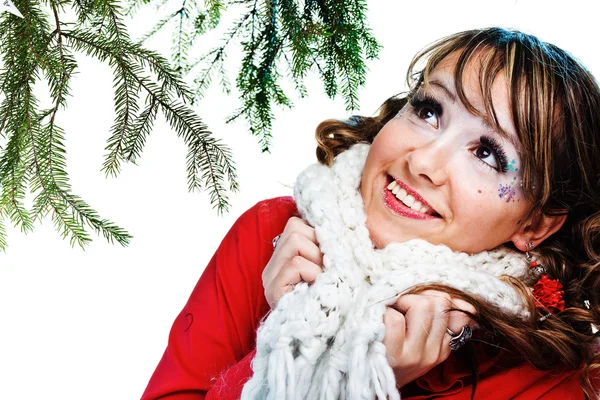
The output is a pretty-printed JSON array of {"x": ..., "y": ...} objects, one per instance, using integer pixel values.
[{"x": 454, "y": 179}]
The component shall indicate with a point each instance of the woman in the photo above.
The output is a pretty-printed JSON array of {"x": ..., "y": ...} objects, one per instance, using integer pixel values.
[{"x": 486, "y": 167}]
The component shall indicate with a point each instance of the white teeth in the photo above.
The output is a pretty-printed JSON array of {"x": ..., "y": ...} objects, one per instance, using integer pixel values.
[
  {"x": 408, "y": 200},
  {"x": 400, "y": 193},
  {"x": 416, "y": 205}
]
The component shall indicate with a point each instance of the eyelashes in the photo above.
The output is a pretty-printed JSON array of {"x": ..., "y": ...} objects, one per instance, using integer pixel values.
[
  {"x": 421, "y": 102},
  {"x": 492, "y": 144}
]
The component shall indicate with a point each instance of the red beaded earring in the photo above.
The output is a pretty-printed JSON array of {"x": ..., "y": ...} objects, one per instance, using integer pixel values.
[{"x": 548, "y": 293}]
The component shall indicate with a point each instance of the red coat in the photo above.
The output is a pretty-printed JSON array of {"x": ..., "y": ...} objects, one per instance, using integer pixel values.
[{"x": 212, "y": 341}]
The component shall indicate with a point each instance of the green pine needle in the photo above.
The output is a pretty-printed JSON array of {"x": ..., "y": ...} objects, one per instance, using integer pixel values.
[
  {"x": 41, "y": 47},
  {"x": 331, "y": 37}
]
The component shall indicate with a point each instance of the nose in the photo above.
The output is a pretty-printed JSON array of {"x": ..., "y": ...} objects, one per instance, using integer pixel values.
[{"x": 430, "y": 161}]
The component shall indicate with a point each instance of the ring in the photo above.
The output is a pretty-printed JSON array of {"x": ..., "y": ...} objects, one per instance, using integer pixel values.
[
  {"x": 275, "y": 239},
  {"x": 459, "y": 340}
]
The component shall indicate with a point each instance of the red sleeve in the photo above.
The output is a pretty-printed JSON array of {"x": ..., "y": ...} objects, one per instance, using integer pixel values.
[
  {"x": 566, "y": 387},
  {"x": 217, "y": 326},
  {"x": 501, "y": 376}
]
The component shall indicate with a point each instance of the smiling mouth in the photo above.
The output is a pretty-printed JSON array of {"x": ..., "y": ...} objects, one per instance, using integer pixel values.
[{"x": 403, "y": 200}]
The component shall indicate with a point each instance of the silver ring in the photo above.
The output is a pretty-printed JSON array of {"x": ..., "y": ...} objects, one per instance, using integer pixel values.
[
  {"x": 459, "y": 340},
  {"x": 275, "y": 240}
]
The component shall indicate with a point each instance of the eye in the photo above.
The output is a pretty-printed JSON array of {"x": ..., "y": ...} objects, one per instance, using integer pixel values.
[
  {"x": 486, "y": 155},
  {"x": 491, "y": 153},
  {"x": 426, "y": 108},
  {"x": 428, "y": 115}
]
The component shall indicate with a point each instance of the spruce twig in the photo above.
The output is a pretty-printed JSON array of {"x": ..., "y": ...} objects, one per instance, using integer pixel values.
[
  {"x": 41, "y": 47},
  {"x": 332, "y": 36}
]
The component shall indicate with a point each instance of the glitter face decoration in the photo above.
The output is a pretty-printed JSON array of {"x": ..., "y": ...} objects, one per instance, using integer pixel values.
[
  {"x": 512, "y": 165},
  {"x": 508, "y": 192}
]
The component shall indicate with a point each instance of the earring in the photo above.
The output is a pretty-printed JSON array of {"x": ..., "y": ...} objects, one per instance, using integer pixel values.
[
  {"x": 537, "y": 268},
  {"x": 529, "y": 246},
  {"x": 548, "y": 293}
]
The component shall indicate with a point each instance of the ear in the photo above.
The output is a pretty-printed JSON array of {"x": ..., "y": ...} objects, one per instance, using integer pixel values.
[{"x": 537, "y": 229}]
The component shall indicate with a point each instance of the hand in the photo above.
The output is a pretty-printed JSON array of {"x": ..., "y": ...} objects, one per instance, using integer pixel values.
[
  {"x": 297, "y": 258},
  {"x": 416, "y": 339}
]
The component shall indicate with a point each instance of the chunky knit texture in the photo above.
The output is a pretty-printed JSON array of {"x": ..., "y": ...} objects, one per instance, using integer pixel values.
[{"x": 324, "y": 341}]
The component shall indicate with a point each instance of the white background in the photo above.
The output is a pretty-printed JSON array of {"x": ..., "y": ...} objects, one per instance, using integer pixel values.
[{"x": 93, "y": 324}]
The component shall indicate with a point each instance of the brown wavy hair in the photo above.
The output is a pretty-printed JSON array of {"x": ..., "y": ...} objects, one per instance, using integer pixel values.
[{"x": 555, "y": 105}]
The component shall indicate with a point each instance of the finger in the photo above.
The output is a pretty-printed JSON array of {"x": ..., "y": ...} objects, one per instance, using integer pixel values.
[
  {"x": 419, "y": 313},
  {"x": 297, "y": 244},
  {"x": 297, "y": 270},
  {"x": 454, "y": 311},
  {"x": 299, "y": 225},
  {"x": 455, "y": 322},
  {"x": 462, "y": 316},
  {"x": 461, "y": 313},
  {"x": 458, "y": 310},
  {"x": 459, "y": 306},
  {"x": 293, "y": 242},
  {"x": 395, "y": 330}
]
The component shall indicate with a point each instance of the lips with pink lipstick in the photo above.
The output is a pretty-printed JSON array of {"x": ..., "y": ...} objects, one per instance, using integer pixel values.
[{"x": 404, "y": 201}]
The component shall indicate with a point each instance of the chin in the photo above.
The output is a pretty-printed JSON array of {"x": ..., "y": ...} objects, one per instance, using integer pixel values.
[{"x": 380, "y": 236}]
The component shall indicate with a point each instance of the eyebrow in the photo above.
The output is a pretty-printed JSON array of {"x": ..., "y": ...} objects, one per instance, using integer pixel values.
[
  {"x": 447, "y": 91},
  {"x": 486, "y": 120}
]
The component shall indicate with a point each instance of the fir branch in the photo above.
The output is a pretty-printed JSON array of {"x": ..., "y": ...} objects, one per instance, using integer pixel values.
[
  {"x": 158, "y": 65},
  {"x": 332, "y": 36},
  {"x": 141, "y": 128},
  {"x": 159, "y": 26},
  {"x": 203, "y": 80},
  {"x": 126, "y": 106},
  {"x": 213, "y": 161},
  {"x": 34, "y": 157},
  {"x": 183, "y": 120},
  {"x": 298, "y": 84},
  {"x": 134, "y": 6},
  {"x": 3, "y": 235}
]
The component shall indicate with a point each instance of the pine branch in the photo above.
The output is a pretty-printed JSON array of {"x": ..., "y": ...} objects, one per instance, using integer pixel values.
[
  {"x": 3, "y": 235},
  {"x": 159, "y": 26},
  {"x": 141, "y": 128},
  {"x": 126, "y": 106},
  {"x": 213, "y": 161},
  {"x": 203, "y": 80},
  {"x": 134, "y": 6},
  {"x": 332, "y": 36},
  {"x": 184, "y": 121},
  {"x": 34, "y": 157}
]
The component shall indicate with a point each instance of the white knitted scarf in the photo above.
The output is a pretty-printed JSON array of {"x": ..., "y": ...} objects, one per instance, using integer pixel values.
[{"x": 324, "y": 341}]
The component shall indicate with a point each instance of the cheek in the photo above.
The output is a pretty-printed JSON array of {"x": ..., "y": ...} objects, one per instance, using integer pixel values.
[
  {"x": 396, "y": 136},
  {"x": 383, "y": 153},
  {"x": 483, "y": 210}
]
